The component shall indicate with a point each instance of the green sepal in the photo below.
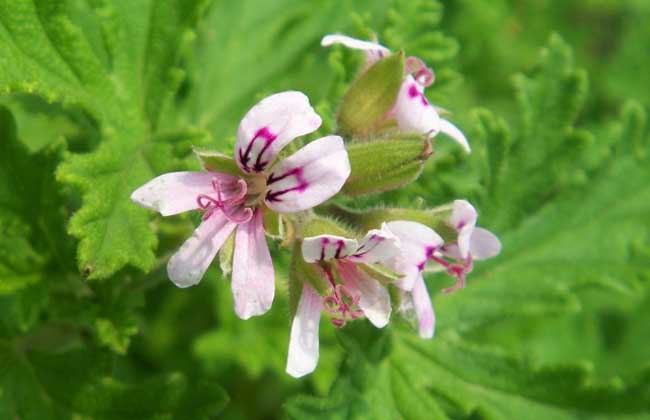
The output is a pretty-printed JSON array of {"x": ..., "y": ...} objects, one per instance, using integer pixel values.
[
  {"x": 225, "y": 255},
  {"x": 371, "y": 96},
  {"x": 217, "y": 162},
  {"x": 272, "y": 223},
  {"x": 301, "y": 271},
  {"x": 318, "y": 225},
  {"x": 435, "y": 218},
  {"x": 380, "y": 273},
  {"x": 395, "y": 294},
  {"x": 386, "y": 164}
]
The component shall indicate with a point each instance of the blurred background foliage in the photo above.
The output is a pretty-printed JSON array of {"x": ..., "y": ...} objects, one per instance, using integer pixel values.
[{"x": 553, "y": 96}]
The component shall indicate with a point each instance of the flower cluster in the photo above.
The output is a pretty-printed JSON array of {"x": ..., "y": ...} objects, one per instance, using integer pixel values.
[{"x": 261, "y": 192}]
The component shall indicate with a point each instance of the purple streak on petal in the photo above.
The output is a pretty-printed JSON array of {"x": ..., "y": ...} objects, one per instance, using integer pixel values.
[
  {"x": 428, "y": 253},
  {"x": 339, "y": 247},
  {"x": 265, "y": 134},
  {"x": 324, "y": 243},
  {"x": 297, "y": 173},
  {"x": 376, "y": 241},
  {"x": 415, "y": 93}
]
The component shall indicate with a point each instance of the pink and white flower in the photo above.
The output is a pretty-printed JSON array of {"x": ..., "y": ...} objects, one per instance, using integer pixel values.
[
  {"x": 352, "y": 292},
  {"x": 412, "y": 110},
  {"x": 421, "y": 244},
  {"x": 235, "y": 202}
]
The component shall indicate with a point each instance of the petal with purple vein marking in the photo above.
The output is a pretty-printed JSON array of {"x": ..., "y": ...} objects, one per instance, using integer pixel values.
[
  {"x": 308, "y": 177},
  {"x": 176, "y": 192},
  {"x": 253, "y": 283},
  {"x": 413, "y": 112},
  {"x": 187, "y": 266},
  {"x": 303, "y": 344},
  {"x": 463, "y": 219},
  {"x": 378, "y": 245},
  {"x": 327, "y": 247},
  {"x": 417, "y": 244},
  {"x": 269, "y": 126}
]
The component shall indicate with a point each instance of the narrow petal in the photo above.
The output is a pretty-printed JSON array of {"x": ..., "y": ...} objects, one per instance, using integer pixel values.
[
  {"x": 253, "y": 280},
  {"x": 327, "y": 247},
  {"x": 308, "y": 177},
  {"x": 423, "y": 308},
  {"x": 452, "y": 131},
  {"x": 374, "y": 51},
  {"x": 177, "y": 192},
  {"x": 417, "y": 244},
  {"x": 187, "y": 266},
  {"x": 374, "y": 301},
  {"x": 484, "y": 244},
  {"x": 463, "y": 219},
  {"x": 269, "y": 126},
  {"x": 413, "y": 112},
  {"x": 378, "y": 245},
  {"x": 303, "y": 344}
]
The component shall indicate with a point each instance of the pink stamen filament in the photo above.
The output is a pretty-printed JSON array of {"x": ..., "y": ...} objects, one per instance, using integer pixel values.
[
  {"x": 455, "y": 270},
  {"x": 341, "y": 302},
  {"x": 228, "y": 206},
  {"x": 422, "y": 74}
]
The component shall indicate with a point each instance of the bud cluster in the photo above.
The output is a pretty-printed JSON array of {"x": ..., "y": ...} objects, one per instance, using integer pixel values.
[{"x": 349, "y": 264}]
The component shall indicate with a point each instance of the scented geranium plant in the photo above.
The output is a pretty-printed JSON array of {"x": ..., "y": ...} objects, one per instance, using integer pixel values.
[
  {"x": 214, "y": 209},
  {"x": 256, "y": 193}
]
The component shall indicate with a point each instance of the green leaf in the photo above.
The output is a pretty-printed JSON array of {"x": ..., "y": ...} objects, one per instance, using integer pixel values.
[
  {"x": 371, "y": 96},
  {"x": 31, "y": 387},
  {"x": 47, "y": 54}
]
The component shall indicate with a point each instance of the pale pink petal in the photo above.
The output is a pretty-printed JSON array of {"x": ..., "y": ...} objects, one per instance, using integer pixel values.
[
  {"x": 187, "y": 266},
  {"x": 463, "y": 219},
  {"x": 308, "y": 177},
  {"x": 452, "y": 131},
  {"x": 269, "y": 126},
  {"x": 378, "y": 245},
  {"x": 373, "y": 50},
  {"x": 177, "y": 192},
  {"x": 413, "y": 112},
  {"x": 423, "y": 308},
  {"x": 303, "y": 344},
  {"x": 417, "y": 243},
  {"x": 253, "y": 280},
  {"x": 327, "y": 247},
  {"x": 484, "y": 244},
  {"x": 374, "y": 301}
]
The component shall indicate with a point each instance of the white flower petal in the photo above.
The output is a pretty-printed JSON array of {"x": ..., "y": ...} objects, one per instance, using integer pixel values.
[
  {"x": 253, "y": 279},
  {"x": 270, "y": 125},
  {"x": 303, "y": 344},
  {"x": 327, "y": 247},
  {"x": 187, "y": 266},
  {"x": 423, "y": 308},
  {"x": 417, "y": 243},
  {"x": 308, "y": 177},
  {"x": 378, "y": 245},
  {"x": 177, "y": 192},
  {"x": 463, "y": 219},
  {"x": 373, "y": 50},
  {"x": 452, "y": 131},
  {"x": 374, "y": 301},
  {"x": 413, "y": 112},
  {"x": 484, "y": 244}
]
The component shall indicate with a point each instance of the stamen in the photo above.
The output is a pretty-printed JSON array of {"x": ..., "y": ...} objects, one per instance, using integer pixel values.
[
  {"x": 458, "y": 270},
  {"x": 229, "y": 207},
  {"x": 341, "y": 302},
  {"x": 422, "y": 74}
]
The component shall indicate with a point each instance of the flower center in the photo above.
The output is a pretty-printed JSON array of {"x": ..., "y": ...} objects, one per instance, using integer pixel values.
[
  {"x": 341, "y": 301},
  {"x": 229, "y": 198}
]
